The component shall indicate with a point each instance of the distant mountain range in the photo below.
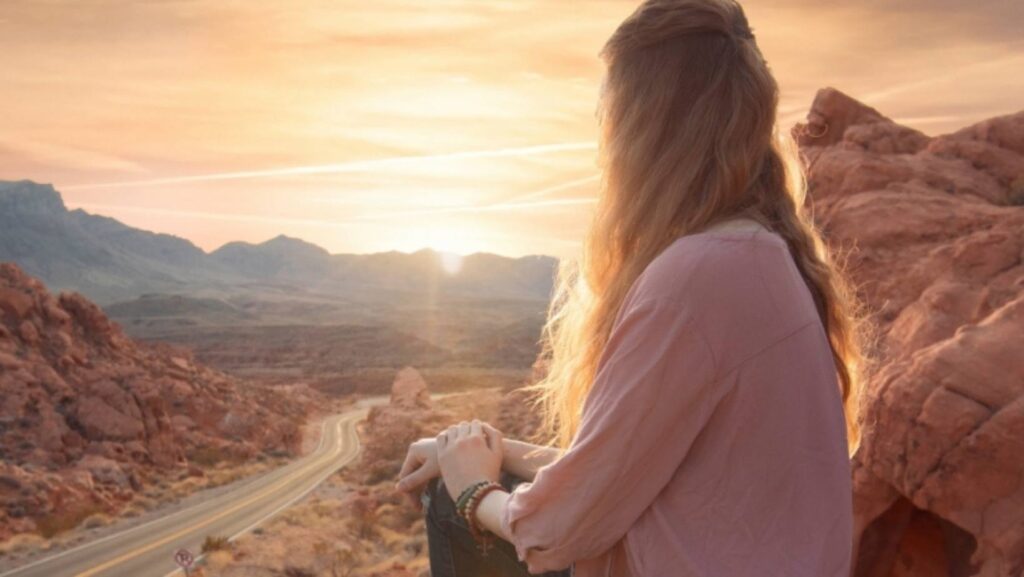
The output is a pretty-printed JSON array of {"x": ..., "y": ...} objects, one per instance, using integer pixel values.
[{"x": 110, "y": 262}]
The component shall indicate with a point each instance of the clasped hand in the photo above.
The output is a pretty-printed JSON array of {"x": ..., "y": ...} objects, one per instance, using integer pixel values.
[{"x": 462, "y": 455}]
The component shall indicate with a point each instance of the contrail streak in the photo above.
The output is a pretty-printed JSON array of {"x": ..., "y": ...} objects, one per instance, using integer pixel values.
[
  {"x": 353, "y": 166},
  {"x": 937, "y": 79},
  {"x": 496, "y": 207},
  {"x": 557, "y": 188},
  {"x": 791, "y": 114},
  {"x": 236, "y": 217},
  {"x": 516, "y": 202}
]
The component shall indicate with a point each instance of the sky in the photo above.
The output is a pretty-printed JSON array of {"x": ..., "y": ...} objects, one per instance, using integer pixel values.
[{"x": 460, "y": 125}]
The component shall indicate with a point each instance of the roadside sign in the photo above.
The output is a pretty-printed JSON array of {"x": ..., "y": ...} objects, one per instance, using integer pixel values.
[{"x": 184, "y": 559}]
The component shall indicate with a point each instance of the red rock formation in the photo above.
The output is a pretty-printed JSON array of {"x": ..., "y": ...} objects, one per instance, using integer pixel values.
[
  {"x": 409, "y": 391},
  {"x": 935, "y": 235},
  {"x": 88, "y": 417},
  {"x": 390, "y": 429}
]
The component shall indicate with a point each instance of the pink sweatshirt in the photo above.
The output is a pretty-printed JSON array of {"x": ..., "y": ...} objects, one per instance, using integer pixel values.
[{"x": 713, "y": 442}]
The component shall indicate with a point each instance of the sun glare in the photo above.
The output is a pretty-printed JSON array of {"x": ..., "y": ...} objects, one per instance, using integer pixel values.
[
  {"x": 443, "y": 235},
  {"x": 451, "y": 263}
]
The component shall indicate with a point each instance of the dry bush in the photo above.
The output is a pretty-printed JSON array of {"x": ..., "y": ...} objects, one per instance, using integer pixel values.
[
  {"x": 364, "y": 517},
  {"x": 96, "y": 520},
  {"x": 186, "y": 487},
  {"x": 209, "y": 456},
  {"x": 145, "y": 502},
  {"x": 65, "y": 519},
  {"x": 20, "y": 543},
  {"x": 338, "y": 562},
  {"x": 139, "y": 505},
  {"x": 217, "y": 560},
  {"x": 215, "y": 543}
]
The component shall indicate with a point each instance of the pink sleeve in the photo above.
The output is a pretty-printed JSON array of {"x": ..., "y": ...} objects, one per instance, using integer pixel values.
[{"x": 653, "y": 393}]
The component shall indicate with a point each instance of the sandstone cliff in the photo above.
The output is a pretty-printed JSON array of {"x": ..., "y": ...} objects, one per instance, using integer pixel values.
[{"x": 934, "y": 230}]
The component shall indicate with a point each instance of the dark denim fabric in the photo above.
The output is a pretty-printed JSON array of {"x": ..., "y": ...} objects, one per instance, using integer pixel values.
[{"x": 453, "y": 553}]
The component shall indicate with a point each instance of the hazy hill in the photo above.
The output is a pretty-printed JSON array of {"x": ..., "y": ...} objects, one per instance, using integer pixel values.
[
  {"x": 98, "y": 256},
  {"x": 109, "y": 261},
  {"x": 280, "y": 258}
]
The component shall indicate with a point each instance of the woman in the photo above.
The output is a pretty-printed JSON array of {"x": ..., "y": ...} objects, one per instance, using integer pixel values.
[{"x": 702, "y": 354}]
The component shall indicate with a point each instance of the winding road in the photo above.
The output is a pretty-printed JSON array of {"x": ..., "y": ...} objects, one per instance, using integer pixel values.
[{"x": 147, "y": 550}]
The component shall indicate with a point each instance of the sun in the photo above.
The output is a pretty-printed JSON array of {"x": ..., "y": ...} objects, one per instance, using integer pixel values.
[
  {"x": 451, "y": 263},
  {"x": 451, "y": 244},
  {"x": 452, "y": 241}
]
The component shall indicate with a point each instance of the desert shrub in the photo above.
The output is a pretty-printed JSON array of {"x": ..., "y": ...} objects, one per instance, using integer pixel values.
[
  {"x": 20, "y": 543},
  {"x": 214, "y": 563},
  {"x": 96, "y": 520},
  {"x": 391, "y": 434},
  {"x": 364, "y": 517},
  {"x": 1016, "y": 196},
  {"x": 144, "y": 502},
  {"x": 341, "y": 562},
  {"x": 139, "y": 505},
  {"x": 210, "y": 456},
  {"x": 379, "y": 471},
  {"x": 65, "y": 520},
  {"x": 215, "y": 543},
  {"x": 186, "y": 487}
]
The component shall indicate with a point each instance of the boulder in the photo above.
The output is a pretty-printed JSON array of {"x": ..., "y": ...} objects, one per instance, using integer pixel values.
[
  {"x": 409, "y": 390},
  {"x": 935, "y": 243}
]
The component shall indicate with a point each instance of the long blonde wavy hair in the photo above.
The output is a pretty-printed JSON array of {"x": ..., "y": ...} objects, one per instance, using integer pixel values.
[{"x": 688, "y": 139}]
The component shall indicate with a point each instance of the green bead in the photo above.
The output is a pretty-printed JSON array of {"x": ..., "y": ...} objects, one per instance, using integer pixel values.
[{"x": 463, "y": 500}]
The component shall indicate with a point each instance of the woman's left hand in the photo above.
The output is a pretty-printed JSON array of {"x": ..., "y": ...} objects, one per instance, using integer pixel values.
[{"x": 467, "y": 453}]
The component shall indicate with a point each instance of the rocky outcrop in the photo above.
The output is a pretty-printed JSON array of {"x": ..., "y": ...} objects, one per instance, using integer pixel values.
[
  {"x": 88, "y": 416},
  {"x": 410, "y": 415},
  {"x": 934, "y": 232},
  {"x": 390, "y": 429},
  {"x": 409, "y": 391}
]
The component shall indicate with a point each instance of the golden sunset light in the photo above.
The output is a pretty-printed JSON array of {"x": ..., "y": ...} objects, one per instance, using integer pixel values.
[
  {"x": 630, "y": 288},
  {"x": 463, "y": 126}
]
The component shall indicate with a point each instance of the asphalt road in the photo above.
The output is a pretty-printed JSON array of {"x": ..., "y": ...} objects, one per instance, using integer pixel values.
[{"x": 148, "y": 549}]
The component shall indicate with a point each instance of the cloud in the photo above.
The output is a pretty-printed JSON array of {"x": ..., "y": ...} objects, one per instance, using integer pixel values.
[
  {"x": 70, "y": 156},
  {"x": 353, "y": 166},
  {"x": 282, "y": 114}
]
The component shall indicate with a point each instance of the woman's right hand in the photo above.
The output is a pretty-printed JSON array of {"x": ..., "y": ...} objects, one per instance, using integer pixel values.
[{"x": 419, "y": 468}]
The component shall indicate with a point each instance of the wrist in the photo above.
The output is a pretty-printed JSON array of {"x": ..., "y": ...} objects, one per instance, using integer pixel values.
[
  {"x": 465, "y": 493},
  {"x": 467, "y": 507}
]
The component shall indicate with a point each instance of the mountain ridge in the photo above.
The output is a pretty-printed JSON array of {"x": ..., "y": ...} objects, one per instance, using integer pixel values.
[
  {"x": 9, "y": 186},
  {"x": 110, "y": 261}
]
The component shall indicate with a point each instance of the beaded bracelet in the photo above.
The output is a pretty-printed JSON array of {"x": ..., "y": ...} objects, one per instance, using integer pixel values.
[
  {"x": 466, "y": 493},
  {"x": 483, "y": 537},
  {"x": 474, "y": 495}
]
